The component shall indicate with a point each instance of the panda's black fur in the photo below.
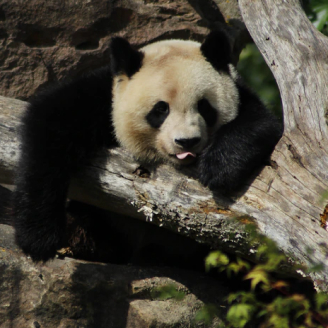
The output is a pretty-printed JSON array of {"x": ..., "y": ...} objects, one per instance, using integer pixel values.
[
  {"x": 69, "y": 122},
  {"x": 240, "y": 145}
]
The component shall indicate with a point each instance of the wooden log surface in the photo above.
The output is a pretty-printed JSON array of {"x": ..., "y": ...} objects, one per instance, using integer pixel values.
[
  {"x": 297, "y": 55},
  {"x": 170, "y": 199}
]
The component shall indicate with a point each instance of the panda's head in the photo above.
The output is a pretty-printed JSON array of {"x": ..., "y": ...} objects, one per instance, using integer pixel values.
[{"x": 171, "y": 96}]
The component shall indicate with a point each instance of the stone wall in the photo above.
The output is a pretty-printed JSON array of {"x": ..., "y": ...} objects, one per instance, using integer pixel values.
[{"x": 45, "y": 41}]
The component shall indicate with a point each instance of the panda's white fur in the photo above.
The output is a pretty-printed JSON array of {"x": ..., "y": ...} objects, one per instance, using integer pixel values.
[
  {"x": 174, "y": 101},
  {"x": 181, "y": 76}
]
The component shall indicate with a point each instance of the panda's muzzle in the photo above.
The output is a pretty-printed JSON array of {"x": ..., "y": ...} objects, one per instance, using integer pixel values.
[{"x": 187, "y": 145}]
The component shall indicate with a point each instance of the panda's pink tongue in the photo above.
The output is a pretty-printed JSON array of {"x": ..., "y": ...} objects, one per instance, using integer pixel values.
[{"x": 184, "y": 155}]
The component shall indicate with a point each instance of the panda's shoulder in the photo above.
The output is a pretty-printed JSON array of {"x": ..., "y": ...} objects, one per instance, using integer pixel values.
[{"x": 81, "y": 92}]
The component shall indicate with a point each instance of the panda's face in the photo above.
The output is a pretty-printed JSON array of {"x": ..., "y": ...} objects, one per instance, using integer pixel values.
[{"x": 169, "y": 108}]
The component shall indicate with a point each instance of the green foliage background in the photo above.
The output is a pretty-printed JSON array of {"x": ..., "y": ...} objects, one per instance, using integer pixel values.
[
  {"x": 270, "y": 301},
  {"x": 258, "y": 76}
]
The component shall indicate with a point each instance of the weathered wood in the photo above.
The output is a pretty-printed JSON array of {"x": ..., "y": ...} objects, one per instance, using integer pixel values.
[
  {"x": 10, "y": 112},
  {"x": 171, "y": 199},
  {"x": 297, "y": 55},
  {"x": 168, "y": 198}
]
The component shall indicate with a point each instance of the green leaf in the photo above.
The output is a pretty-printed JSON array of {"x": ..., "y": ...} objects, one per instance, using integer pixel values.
[
  {"x": 274, "y": 261},
  {"x": 238, "y": 266},
  {"x": 216, "y": 259},
  {"x": 206, "y": 314},
  {"x": 240, "y": 314},
  {"x": 242, "y": 297},
  {"x": 262, "y": 313},
  {"x": 278, "y": 321},
  {"x": 321, "y": 300},
  {"x": 169, "y": 291},
  {"x": 257, "y": 276},
  {"x": 258, "y": 76},
  {"x": 320, "y": 7}
]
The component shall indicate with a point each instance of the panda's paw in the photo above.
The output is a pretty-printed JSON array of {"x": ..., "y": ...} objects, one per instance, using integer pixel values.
[
  {"x": 216, "y": 176},
  {"x": 210, "y": 176},
  {"x": 214, "y": 182},
  {"x": 205, "y": 177},
  {"x": 41, "y": 247}
]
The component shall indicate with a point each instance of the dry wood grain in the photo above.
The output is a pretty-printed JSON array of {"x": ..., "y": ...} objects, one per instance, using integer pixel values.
[
  {"x": 171, "y": 199},
  {"x": 298, "y": 57}
]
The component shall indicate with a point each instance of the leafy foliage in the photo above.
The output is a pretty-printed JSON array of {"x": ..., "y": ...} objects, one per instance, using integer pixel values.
[
  {"x": 257, "y": 74},
  {"x": 167, "y": 292},
  {"x": 270, "y": 302},
  {"x": 207, "y": 314},
  {"x": 317, "y": 11}
]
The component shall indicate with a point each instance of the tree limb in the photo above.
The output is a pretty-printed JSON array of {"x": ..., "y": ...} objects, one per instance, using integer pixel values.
[
  {"x": 297, "y": 55},
  {"x": 171, "y": 199}
]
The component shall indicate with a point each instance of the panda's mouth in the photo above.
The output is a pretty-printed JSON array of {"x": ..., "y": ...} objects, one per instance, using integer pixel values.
[
  {"x": 184, "y": 155},
  {"x": 184, "y": 158}
]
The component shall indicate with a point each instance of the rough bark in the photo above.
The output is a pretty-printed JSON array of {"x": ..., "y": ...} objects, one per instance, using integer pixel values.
[{"x": 297, "y": 55}]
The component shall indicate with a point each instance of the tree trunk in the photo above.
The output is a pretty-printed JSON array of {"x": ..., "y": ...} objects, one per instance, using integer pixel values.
[
  {"x": 285, "y": 200},
  {"x": 298, "y": 57}
]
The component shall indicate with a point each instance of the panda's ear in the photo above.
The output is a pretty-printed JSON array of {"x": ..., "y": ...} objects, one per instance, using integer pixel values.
[
  {"x": 124, "y": 59},
  {"x": 217, "y": 50}
]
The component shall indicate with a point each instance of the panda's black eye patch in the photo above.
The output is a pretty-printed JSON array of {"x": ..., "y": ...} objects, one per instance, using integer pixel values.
[
  {"x": 207, "y": 111},
  {"x": 158, "y": 114}
]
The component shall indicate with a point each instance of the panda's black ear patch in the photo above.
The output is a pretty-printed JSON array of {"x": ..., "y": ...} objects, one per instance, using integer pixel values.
[
  {"x": 124, "y": 58},
  {"x": 217, "y": 50}
]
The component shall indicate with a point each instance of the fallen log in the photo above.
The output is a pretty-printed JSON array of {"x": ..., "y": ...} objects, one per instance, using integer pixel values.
[{"x": 172, "y": 199}]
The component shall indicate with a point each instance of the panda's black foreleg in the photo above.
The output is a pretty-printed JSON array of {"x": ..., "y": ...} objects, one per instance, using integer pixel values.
[
  {"x": 61, "y": 127},
  {"x": 39, "y": 209},
  {"x": 46, "y": 163},
  {"x": 240, "y": 146}
]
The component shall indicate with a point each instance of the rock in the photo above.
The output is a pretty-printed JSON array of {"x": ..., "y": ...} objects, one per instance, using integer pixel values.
[
  {"x": 45, "y": 41},
  {"x": 72, "y": 293}
]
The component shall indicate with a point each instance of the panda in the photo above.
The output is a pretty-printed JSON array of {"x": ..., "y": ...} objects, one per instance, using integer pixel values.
[{"x": 173, "y": 101}]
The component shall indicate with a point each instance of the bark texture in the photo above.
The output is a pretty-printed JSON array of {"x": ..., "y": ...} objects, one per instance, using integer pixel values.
[{"x": 297, "y": 55}]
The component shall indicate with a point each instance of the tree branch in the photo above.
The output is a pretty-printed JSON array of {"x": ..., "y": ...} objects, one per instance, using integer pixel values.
[
  {"x": 297, "y": 55},
  {"x": 171, "y": 199}
]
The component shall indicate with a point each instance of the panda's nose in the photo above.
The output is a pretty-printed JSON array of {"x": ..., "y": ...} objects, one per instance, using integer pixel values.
[{"x": 187, "y": 142}]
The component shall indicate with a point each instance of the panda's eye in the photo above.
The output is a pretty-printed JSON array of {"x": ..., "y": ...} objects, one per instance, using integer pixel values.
[
  {"x": 208, "y": 112},
  {"x": 158, "y": 114},
  {"x": 161, "y": 107}
]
